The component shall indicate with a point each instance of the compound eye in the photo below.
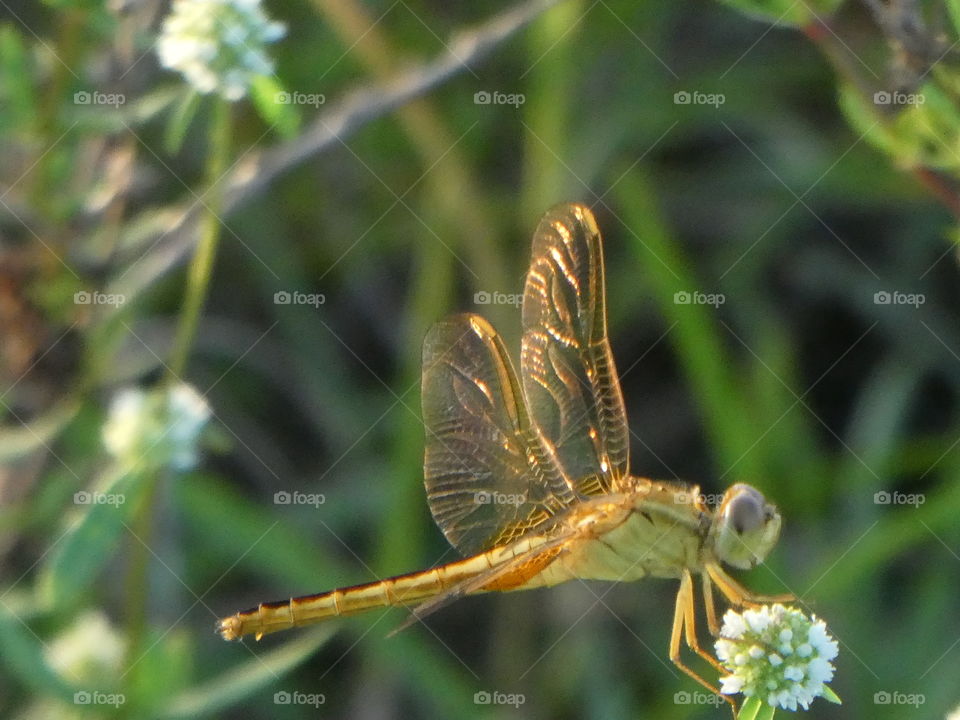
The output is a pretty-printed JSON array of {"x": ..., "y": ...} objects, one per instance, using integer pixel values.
[{"x": 745, "y": 513}]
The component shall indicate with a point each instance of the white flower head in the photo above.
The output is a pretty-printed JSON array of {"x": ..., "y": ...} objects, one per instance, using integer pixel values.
[
  {"x": 90, "y": 649},
  {"x": 152, "y": 428},
  {"x": 218, "y": 45},
  {"x": 777, "y": 654}
]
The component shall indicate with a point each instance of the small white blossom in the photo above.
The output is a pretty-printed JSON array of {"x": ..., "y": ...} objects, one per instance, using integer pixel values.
[
  {"x": 777, "y": 654},
  {"x": 89, "y": 649},
  {"x": 126, "y": 422},
  {"x": 148, "y": 429},
  {"x": 218, "y": 45}
]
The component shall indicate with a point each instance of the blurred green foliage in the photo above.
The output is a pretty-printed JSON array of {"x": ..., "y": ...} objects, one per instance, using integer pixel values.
[{"x": 801, "y": 160}]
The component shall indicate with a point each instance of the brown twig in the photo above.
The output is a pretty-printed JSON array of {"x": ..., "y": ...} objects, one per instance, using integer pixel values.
[
  {"x": 259, "y": 170},
  {"x": 839, "y": 56}
]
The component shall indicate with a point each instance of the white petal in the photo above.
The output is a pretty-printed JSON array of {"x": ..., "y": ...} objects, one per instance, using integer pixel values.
[
  {"x": 731, "y": 684},
  {"x": 820, "y": 670},
  {"x": 757, "y": 620},
  {"x": 733, "y": 625},
  {"x": 793, "y": 672},
  {"x": 725, "y": 649}
]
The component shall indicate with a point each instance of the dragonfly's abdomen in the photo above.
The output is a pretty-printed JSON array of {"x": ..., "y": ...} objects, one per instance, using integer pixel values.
[{"x": 400, "y": 590}]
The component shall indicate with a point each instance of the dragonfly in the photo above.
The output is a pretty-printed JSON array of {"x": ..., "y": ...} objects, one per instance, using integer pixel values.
[{"x": 529, "y": 478}]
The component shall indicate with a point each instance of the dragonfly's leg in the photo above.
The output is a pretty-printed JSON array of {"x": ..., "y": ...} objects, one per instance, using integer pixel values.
[
  {"x": 684, "y": 624},
  {"x": 709, "y": 606},
  {"x": 737, "y": 594},
  {"x": 690, "y": 624}
]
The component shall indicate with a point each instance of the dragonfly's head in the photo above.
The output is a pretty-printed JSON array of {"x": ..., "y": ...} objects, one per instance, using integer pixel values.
[{"x": 745, "y": 527}]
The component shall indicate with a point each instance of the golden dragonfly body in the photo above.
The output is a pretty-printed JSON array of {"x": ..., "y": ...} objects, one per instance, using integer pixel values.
[{"x": 529, "y": 478}]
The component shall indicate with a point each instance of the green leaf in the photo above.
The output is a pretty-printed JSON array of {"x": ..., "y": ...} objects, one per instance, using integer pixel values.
[
  {"x": 831, "y": 696},
  {"x": 16, "y": 442},
  {"x": 16, "y": 88},
  {"x": 749, "y": 709},
  {"x": 258, "y": 672},
  {"x": 953, "y": 8},
  {"x": 766, "y": 712},
  {"x": 274, "y": 106},
  {"x": 79, "y": 556},
  {"x": 164, "y": 670},
  {"x": 180, "y": 120},
  {"x": 777, "y": 12},
  {"x": 711, "y": 369},
  {"x": 22, "y": 653},
  {"x": 233, "y": 527}
]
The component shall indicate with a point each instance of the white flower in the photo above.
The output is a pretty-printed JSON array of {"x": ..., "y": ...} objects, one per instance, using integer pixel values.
[
  {"x": 776, "y": 653},
  {"x": 126, "y": 422},
  {"x": 89, "y": 649},
  {"x": 218, "y": 45},
  {"x": 188, "y": 412},
  {"x": 149, "y": 429}
]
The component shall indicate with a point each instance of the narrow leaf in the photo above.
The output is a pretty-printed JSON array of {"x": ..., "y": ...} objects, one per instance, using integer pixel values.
[
  {"x": 180, "y": 120},
  {"x": 276, "y": 106},
  {"x": 831, "y": 696},
  {"x": 750, "y": 709},
  {"x": 260, "y": 671}
]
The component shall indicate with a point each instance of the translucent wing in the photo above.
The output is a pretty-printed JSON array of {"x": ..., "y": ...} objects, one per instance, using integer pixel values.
[
  {"x": 488, "y": 480},
  {"x": 569, "y": 378}
]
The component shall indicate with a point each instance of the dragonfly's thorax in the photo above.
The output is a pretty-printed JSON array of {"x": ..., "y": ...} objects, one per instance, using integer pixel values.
[{"x": 656, "y": 530}]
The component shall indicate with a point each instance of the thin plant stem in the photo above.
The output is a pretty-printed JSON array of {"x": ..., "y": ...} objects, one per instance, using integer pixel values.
[
  {"x": 201, "y": 266},
  {"x": 198, "y": 281}
]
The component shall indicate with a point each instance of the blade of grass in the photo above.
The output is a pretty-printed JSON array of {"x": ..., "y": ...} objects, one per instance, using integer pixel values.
[
  {"x": 240, "y": 682},
  {"x": 716, "y": 387}
]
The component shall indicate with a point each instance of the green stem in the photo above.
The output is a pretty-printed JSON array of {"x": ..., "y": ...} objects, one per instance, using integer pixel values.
[
  {"x": 201, "y": 266},
  {"x": 198, "y": 280}
]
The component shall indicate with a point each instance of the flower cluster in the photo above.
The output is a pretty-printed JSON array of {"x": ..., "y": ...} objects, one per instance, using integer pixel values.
[
  {"x": 155, "y": 428},
  {"x": 90, "y": 649},
  {"x": 218, "y": 45},
  {"x": 777, "y": 654}
]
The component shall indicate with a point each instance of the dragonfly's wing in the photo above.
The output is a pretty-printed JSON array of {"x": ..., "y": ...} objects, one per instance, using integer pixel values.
[
  {"x": 569, "y": 378},
  {"x": 488, "y": 479}
]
